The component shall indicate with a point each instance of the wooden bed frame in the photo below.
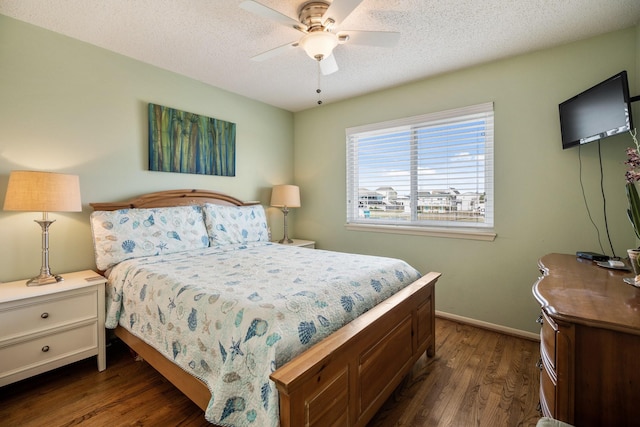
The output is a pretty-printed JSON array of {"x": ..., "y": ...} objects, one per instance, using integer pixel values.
[{"x": 344, "y": 379}]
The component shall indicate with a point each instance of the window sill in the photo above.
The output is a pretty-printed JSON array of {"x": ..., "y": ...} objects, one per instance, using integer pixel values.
[{"x": 450, "y": 233}]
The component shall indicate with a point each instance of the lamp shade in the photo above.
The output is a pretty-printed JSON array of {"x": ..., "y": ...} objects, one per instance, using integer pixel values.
[
  {"x": 319, "y": 44},
  {"x": 35, "y": 191},
  {"x": 285, "y": 196}
]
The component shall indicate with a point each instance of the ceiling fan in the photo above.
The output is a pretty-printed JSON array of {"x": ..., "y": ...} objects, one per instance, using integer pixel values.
[{"x": 319, "y": 20}]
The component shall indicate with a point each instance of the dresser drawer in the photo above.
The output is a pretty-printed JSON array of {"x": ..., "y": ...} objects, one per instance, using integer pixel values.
[
  {"x": 548, "y": 334},
  {"x": 29, "y": 354},
  {"x": 32, "y": 316}
]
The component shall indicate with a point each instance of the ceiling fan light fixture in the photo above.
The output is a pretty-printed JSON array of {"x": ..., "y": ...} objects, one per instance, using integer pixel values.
[{"x": 319, "y": 44}]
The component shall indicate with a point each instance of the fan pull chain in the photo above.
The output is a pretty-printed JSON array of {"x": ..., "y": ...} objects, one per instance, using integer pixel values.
[{"x": 318, "y": 91}]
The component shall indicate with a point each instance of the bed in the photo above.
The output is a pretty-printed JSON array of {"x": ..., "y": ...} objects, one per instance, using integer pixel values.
[{"x": 289, "y": 336}]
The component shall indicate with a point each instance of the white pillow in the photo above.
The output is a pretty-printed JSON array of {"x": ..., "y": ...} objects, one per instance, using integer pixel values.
[
  {"x": 235, "y": 224},
  {"x": 134, "y": 233}
]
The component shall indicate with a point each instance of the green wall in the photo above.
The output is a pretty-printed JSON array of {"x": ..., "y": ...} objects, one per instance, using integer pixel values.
[
  {"x": 539, "y": 206},
  {"x": 71, "y": 107}
]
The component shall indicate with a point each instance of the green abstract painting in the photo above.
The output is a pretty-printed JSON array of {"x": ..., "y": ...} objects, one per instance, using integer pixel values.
[{"x": 190, "y": 143}]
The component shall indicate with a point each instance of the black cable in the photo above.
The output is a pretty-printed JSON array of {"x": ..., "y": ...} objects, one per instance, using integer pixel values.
[
  {"x": 584, "y": 197},
  {"x": 604, "y": 202}
]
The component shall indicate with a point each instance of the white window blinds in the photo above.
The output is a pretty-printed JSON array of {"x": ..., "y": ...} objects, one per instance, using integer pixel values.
[{"x": 434, "y": 170}]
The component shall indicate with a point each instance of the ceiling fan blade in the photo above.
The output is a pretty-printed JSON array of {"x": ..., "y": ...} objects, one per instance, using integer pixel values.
[
  {"x": 371, "y": 38},
  {"x": 339, "y": 10},
  {"x": 266, "y": 12},
  {"x": 328, "y": 65},
  {"x": 275, "y": 51}
]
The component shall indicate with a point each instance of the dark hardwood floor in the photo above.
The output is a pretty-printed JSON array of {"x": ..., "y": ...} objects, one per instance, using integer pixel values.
[{"x": 477, "y": 378}]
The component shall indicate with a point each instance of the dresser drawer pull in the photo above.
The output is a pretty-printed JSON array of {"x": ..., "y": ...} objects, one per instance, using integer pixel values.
[
  {"x": 539, "y": 364},
  {"x": 44, "y": 315},
  {"x": 540, "y": 320},
  {"x": 45, "y": 348}
]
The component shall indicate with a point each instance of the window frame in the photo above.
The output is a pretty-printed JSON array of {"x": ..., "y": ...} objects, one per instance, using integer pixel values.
[{"x": 455, "y": 229}]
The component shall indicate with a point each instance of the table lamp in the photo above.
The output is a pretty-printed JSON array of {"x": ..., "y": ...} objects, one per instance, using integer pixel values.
[
  {"x": 45, "y": 192},
  {"x": 285, "y": 197}
]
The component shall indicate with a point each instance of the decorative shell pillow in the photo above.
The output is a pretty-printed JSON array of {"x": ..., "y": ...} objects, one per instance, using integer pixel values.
[
  {"x": 235, "y": 224},
  {"x": 133, "y": 233}
]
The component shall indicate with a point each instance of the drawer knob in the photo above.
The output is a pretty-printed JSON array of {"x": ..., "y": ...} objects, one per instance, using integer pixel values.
[
  {"x": 539, "y": 364},
  {"x": 45, "y": 348},
  {"x": 44, "y": 315}
]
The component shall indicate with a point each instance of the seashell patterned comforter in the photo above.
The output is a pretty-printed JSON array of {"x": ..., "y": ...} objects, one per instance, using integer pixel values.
[{"x": 230, "y": 315}]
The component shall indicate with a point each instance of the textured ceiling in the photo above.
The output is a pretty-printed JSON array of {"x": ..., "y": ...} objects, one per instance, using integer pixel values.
[{"x": 213, "y": 40}]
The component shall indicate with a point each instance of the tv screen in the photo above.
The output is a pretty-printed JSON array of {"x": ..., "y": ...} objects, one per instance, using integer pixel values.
[{"x": 598, "y": 112}]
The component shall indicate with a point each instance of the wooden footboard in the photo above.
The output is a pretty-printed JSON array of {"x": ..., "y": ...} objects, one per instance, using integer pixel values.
[{"x": 345, "y": 379}]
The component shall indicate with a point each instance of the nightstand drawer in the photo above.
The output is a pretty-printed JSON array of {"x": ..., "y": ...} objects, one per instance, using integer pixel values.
[
  {"x": 33, "y": 316},
  {"x": 29, "y": 354}
]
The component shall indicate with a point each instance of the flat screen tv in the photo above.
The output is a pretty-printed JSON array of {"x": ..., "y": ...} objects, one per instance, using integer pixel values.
[{"x": 599, "y": 112}]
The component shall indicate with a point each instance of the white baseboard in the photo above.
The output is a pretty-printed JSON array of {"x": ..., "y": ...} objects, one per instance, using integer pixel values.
[{"x": 490, "y": 326}]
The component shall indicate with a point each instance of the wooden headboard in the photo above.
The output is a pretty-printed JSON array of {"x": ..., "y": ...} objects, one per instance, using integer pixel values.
[{"x": 168, "y": 198}]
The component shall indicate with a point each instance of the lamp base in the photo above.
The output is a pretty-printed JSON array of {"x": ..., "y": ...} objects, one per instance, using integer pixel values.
[
  {"x": 285, "y": 239},
  {"x": 44, "y": 279}
]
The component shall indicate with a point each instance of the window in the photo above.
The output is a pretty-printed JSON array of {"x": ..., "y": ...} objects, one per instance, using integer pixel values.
[{"x": 430, "y": 171}]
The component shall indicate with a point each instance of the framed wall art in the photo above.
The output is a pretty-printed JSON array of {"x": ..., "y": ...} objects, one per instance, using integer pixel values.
[{"x": 185, "y": 142}]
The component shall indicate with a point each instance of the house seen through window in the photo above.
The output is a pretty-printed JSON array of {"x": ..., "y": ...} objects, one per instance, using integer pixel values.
[{"x": 434, "y": 170}]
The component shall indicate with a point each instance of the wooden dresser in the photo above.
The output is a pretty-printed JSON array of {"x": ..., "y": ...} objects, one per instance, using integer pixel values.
[{"x": 589, "y": 343}]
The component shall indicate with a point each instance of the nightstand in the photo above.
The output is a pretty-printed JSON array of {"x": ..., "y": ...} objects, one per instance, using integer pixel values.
[
  {"x": 45, "y": 327},
  {"x": 300, "y": 243}
]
